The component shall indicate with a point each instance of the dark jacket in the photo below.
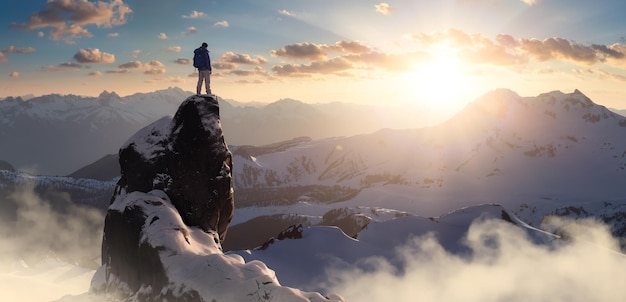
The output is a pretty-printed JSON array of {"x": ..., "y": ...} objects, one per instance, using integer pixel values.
[{"x": 204, "y": 62}]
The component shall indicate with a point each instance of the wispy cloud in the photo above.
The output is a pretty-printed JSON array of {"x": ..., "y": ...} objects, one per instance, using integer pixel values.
[
  {"x": 14, "y": 74},
  {"x": 334, "y": 65},
  {"x": 35, "y": 231},
  {"x": 63, "y": 67},
  {"x": 13, "y": 49},
  {"x": 39, "y": 228},
  {"x": 174, "y": 49},
  {"x": 507, "y": 50},
  {"x": 3, "y": 58},
  {"x": 530, "y": 2},
  {"x": 139, "y": 65},
  {"x": 162, "y": 36},
  {"x": 194, "y": 15},
  {"x": 182, "y": 61},
  {"x": 117, "y": 71},
  {"x": 599, "y": 73},
  {"x": 256, "y": 71},
  {"x": 285, "y": 12},
  {"x": 383, "y": 8},
  {"x": 154, "y": 71},
  {"x": 68, "y": 18},
  {"x": 231, "y": 57},
  {"x": 222, "y": 23},
  {"x": 303, "y": 50},
  {"x": 348, "y": 56},
  {"x": 150, "y": 68},
  {"x": 314, "y": 51}
]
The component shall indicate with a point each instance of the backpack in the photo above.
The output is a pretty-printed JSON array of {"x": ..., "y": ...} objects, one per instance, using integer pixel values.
[{"x": 196, "y": 59}]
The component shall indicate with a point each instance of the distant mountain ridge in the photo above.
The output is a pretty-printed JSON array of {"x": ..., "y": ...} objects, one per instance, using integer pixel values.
[
  {"x": 58, "y": 134},
  {"x": 489, "y": 137},
  {"x": 553, "y": 154},
  {"x": 557, "y": 153}
]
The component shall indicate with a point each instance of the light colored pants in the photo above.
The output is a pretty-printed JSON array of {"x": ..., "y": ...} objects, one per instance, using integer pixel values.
[{"x": 204, "y": 75}]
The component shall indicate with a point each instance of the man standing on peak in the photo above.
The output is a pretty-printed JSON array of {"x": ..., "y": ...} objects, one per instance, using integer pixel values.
[{"x": 202, "y": 61}]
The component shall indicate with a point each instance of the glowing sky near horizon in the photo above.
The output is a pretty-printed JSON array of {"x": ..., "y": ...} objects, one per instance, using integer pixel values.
[{"x": 439, "y": 54}]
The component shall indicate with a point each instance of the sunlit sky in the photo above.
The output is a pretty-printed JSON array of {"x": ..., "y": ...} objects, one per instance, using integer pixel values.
[{"x": 441, "y": 54}]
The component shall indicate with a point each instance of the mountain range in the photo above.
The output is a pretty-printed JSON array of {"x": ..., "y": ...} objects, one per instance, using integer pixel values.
[
  {"x": 553, "y": 153},
  {"x": 556, "y": 153},
  {"x": 349, "y": 212},
  {"x": 59, "y": 134}
]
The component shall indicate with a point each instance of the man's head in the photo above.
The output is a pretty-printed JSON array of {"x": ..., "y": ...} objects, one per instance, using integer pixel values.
[{"x": 204, "y": 45}]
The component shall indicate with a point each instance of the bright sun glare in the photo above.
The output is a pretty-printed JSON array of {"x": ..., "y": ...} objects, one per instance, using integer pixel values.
[{"x": 441, "y": 83}]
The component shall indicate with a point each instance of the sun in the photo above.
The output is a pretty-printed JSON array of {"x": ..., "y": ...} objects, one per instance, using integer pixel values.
[{"x": 443, "y": 82}]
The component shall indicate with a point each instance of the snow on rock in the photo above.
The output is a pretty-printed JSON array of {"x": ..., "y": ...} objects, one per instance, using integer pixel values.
[
  {"x": 169, "y": 214},
  {"x": 187, "y": 158},
  {"x": 318, "y": 250},
  {"x": 150, "y": 254}
]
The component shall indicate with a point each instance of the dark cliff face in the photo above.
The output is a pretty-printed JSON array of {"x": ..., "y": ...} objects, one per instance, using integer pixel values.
[
  {"x": 187, "y": 158},
  {"x": 169, "y": 214}
]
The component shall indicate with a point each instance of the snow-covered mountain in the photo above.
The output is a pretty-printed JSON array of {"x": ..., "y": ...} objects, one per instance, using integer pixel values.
[
  {"x": 58, "y": 134},
  {"x": 534, "y": 155},
  {"x": 556, "y": 153},
  {"x": 421, "y": 213}
]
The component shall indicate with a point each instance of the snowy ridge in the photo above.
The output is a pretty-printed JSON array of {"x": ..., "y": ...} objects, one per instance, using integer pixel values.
[
  {"x": 108, "y": 105},
  {"x": 15, "y": 178},
  {"x": 534, "y": 155},
  {"x": 64, "y": 124},
  {"x": 499, "y": 136},
  {"x": 322, "y": 248}
]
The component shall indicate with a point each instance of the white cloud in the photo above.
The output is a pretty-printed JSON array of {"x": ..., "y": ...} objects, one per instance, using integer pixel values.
[
  {"x": 286, "y": 13},
  {"x": 504, "y": 266},
  {"x": 40, "y": 229},
  {"x": 194, "y": 15},
  {"x": 67, "y": 232},
  {"x": 93, "y": 55},
  {"x": 530, "y": 2},
  {"x": 13, "y": 49},
  {"x": 69, "y": 18},
  {"x": 162, "y": 36},
  {"x": 383, "y": 8},
  {"x": 222, "y": 23}
]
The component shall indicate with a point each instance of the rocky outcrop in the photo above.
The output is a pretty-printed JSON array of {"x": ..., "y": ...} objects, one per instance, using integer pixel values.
[
  {"x": 150, "y": 254},
  {"x": 187, "y": 158},
  {"x": 169, "y": 214}
]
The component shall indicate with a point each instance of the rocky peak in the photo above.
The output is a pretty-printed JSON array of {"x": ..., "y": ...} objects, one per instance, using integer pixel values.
[
  {"x": 169, "y": 214},
  {"x": 187, "y": 158}
]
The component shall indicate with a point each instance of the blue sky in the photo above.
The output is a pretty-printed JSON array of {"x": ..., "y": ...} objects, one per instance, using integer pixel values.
[{"x": 440, "y": 54}]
